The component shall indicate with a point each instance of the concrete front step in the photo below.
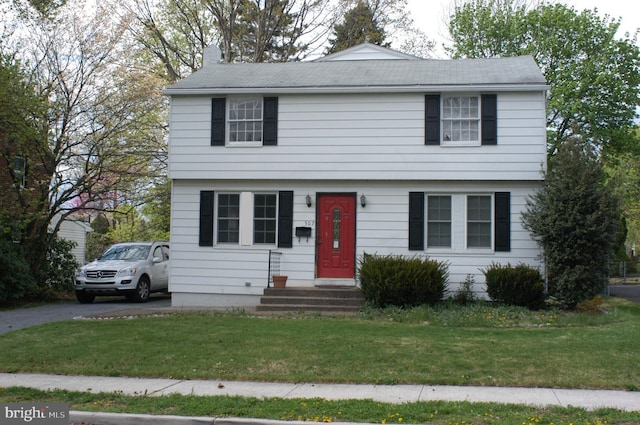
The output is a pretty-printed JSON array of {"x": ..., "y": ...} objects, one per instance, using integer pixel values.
[
  {"x": 284, "y": 300},
  {"x": 326, "y": 299},
  {"x": 284, "y": 308}
]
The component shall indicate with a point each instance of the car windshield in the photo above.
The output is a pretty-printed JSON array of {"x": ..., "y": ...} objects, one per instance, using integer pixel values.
[{"x": 126, "y": 252}]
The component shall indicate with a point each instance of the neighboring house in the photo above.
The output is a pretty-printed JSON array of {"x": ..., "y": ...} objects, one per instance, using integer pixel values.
[
  {"x": 23, "y": 178},
  {"x": 76, "y": 231},
  {"x": 366, "y": 150}
]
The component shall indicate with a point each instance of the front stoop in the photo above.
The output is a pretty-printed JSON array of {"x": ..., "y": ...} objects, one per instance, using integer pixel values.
[{"x": 317, "y": 299}]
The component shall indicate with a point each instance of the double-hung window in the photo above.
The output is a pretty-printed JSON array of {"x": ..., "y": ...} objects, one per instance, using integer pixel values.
[
  {"x": 460, "y": 221},
  {"x": 458, "y": 119},
  {"x": 246, "y": 218},
  {"x": 228, "y": 218},
  {"x": 245, "y": 120},
  {"x": 479, "y": 215},
  {"x": 461, "y": 120},
  {"x": 439, "y": 221},
  {"x": 264, "y": 218}
]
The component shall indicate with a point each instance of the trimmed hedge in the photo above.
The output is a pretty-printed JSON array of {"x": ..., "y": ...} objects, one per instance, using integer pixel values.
[
  {"x": 394, "y": 280},
  {"x": 521, "y": 285}
]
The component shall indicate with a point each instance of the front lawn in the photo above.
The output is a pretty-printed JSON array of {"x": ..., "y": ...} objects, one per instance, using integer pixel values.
[{"x": 476, "y": 345}]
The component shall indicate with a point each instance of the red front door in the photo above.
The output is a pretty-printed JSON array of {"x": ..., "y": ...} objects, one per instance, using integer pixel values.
[{"x": 336, "y": 235}]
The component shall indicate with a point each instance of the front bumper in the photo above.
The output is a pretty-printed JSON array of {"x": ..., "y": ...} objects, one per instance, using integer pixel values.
[{"x": 107, "y": 285}]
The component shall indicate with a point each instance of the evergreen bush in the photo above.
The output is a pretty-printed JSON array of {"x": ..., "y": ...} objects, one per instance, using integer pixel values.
[
  {"x": 60, "y": 267},
  {"x": 521, "y": 285},
  {"x": 16, "y": 280},
  {"x": 394, "y": 280},
  {"x": 573, "y": 217}
]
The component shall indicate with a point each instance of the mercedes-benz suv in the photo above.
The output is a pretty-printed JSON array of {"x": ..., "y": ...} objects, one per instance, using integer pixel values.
[{"x": 133, "y": 269}]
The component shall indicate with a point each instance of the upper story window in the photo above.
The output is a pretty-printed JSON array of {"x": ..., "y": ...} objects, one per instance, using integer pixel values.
[
  {"x": 20, "y": 171},
  {"x": 245, "y": 119},
  {"x": 461, "y": 119}
]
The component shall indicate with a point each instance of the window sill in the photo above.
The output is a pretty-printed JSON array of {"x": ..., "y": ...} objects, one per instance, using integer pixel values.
[
  {"x": 447, "y": 144},
  {"x": 244, "y": 144}
]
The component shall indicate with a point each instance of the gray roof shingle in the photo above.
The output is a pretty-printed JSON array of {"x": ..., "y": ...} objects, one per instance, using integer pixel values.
[{"x": 361, "y": 75}]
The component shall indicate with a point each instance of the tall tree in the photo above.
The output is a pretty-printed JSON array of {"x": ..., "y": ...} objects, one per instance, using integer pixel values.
[
  {"x": 593, "y": 74},
  {"x": 624, "y": 173},
  {"x": 43, "y": 8},
  {"x": 393, "y": 19},
  {"x": 574, "y": 218},
  {"x": 176, "y": 32},
  {"x": 359, "y": 26},
  {"x": 102, "y": 133}
]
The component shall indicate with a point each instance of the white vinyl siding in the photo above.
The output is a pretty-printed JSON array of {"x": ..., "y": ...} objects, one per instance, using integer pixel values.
[
  {"x": 382, "y": 228},
  {"x": 351, "y": 136}
]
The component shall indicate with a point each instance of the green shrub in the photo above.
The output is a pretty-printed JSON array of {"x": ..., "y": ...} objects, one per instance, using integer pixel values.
[
  {"x": 465, "y": 294},
  {"x": 16, "y": 280},
  {"x": 521, "y": 285},
  {"x": 394, "y": 280},
  {"x": 60, "y": 267}
]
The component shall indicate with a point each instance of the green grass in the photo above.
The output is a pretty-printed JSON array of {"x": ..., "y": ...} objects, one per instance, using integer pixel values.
[
  {"x": 476, "y": 345},
  {"x": 321, "y": 410}
]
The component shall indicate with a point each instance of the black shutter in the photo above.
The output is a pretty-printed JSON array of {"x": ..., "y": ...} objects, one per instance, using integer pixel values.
[
  {"x": 218, "y": 110},
  {"x": 416, "y": 221},
  {"x": 270, "y": 122},
  {"x": 285, "y": 219},
  {"x": 207, "y": 198},
  {"x": 489, "y": 124},
  {"x": 503, "y": 221},
  {"x": 432, "y": 119}
]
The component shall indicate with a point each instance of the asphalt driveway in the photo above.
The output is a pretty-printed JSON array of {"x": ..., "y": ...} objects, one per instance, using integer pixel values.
[{"x": 24, "y": 317}]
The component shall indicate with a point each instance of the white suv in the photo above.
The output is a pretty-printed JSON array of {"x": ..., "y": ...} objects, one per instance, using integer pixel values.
[{"x": 134, "y": 269}]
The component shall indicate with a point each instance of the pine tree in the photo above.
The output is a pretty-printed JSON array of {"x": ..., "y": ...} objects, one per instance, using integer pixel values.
[
  {"x": 359, "y": 26},
  {"x": 574, "y": 218}
]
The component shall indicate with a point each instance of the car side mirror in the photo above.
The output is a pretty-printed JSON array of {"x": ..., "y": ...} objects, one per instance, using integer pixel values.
[{"x": 157, "y": 260}]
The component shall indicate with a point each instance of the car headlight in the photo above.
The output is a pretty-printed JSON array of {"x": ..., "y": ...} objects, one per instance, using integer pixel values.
[
  {"x": 127, "y": 272},
  {"x": 80, "y": 273}
]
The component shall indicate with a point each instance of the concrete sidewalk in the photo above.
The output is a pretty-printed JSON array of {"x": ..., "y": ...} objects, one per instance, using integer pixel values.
[{"x": 588, "y": 399}]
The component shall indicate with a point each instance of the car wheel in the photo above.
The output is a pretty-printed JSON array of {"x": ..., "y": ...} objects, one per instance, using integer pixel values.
[
  {"x": 84, "y": 297},
  {"x": 142, "y": 290}
]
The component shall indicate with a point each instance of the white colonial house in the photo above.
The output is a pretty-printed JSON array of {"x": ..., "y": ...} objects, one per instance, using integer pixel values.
[{"x": 367, "y": 150}]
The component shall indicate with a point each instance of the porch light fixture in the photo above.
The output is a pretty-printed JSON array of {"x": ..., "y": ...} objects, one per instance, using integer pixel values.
[
  {"x": 363, "y": 200},
  {"x": 308, "y": 200}
]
